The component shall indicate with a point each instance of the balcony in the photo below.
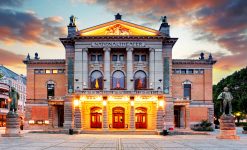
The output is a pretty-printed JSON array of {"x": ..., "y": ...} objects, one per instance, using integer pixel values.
[
  {"x": 4, "y": 87},
  {"x": 120, "y": 92}
]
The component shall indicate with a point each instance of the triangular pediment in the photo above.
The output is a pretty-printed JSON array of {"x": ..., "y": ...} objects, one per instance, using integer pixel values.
[{"x": 118, "y": 28}]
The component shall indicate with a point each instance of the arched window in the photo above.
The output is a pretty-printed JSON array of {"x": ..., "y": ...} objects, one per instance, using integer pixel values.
[
  {"x": 140, "y": 79},
  {"x": 50, "y": 89},
  {"x": 118, "y": 80},
  {"x": 96, "y": 80}
]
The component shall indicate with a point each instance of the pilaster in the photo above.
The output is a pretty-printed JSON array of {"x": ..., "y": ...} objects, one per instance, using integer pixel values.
[
  {"x": 68, "y": 113},
  {"x": 129, "y": 67},
  {"x": 107, "y": 73},
  {"x": 85, "y": 67},
  {"x": 151, "y": 68}
]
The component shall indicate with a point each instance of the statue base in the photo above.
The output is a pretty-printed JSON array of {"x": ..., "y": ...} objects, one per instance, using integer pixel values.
[
  {"x": 227, "y": 128},
  {"x": 12, "y": 125}
]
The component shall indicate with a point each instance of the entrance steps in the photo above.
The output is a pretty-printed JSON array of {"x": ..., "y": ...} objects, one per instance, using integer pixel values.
[
  {"x": 121, "y": 132},
  {"x": 98, "y": 131}
]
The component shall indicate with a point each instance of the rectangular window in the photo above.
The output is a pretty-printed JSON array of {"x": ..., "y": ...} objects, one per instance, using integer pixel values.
[
  {"x": 114, "y": 57},
  {"x": 190, "y": 71},
  {"x": 196, "y": 71},
  {"x": 136, "y": 57},
  {"x": 201, "y": 71},
  {"x": 100, "y": 58},
  {"x": 47, "y": 71},
  {"x": 55, "y": 71},
  {"x": 177, "y": 71},
  {"x": 143, "y": 58},
  {"x": 121, "y": 57},
  {"x": 183, "y": 71},
  {"x": 187, "y": 91},
  {"x": 93, "y": 57}
]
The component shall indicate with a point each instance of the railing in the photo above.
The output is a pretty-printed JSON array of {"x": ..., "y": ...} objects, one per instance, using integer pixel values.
[
  {"x": 148, "y": 92},
  {"x": 4, "y": 87}
]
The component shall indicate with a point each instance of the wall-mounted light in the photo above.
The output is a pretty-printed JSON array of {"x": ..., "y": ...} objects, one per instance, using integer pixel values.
[
  {"x": 104, "y": 102},
  {"x": 76, "y": 80},
  {"x": 31, "y": 122},
  {"x": 76, "y": 102},
  {"x": 160, "y": 80},
  {"x": 161, "y": 103},
  {"x": 132, "y": 103},
  {"x": 46, "y": 122}
]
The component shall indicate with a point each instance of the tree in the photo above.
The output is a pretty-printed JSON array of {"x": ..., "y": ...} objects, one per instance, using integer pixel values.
[{"x": 237, "y": 84}]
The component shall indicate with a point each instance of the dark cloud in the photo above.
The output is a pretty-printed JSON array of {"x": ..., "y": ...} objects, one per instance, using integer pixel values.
[
  {"x": 28, "y": 28},
  {"x": 11, "y": 3},
  {"x": 11, "y": 59},
  {"x": 220, "y": 21}
]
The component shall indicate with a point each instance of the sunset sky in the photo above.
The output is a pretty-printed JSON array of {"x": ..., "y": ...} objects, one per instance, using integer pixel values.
[{"x": 211, "y": 26}]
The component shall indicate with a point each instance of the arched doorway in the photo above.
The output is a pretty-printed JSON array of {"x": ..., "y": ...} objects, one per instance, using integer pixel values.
[
  {"x": 141, "y": 118},
  {"x": 96, "y": 117},
  {"x": 118, "y": 117}
]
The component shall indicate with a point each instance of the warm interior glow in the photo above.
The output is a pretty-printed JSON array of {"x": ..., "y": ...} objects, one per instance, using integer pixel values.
[
  {"x": 76, "y": 102},
  {"x": 46, "y": 121},
  {"x": 132, "y": 103},
  {"x": 104, "y": 103}
]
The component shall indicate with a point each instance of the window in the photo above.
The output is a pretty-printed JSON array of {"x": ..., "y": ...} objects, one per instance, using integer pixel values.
[
  {"x": 196, "y": 71},
  {"x": 143, "y": 57},
  {"x": 96, "y": 80},
  {"x": 201, "y": 71},
  {"x": 118, "y": 80},
  {"x": 55, "y": 71},
  {"x": 190, "y": 71},
  {"x": 183, "y": 71},
  {"x": 121, "y": 57},
  {"x": 140, "y": 79},
  {"x": 60, "y": 70},
  {"x": 93, "y": 57},
  {"x": 50, "y": 90},
  {"x": 136, "y": 57},
  {"x": 100, "y": 58},
  {"x": 187, "y": 91},
  {"x": 47, "y": 71},
  {"x": 114, "y": 57}
]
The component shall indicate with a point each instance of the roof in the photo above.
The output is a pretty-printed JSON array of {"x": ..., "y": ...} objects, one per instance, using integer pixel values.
[
  {"x": 11, "y": 74},
  {"x": 45, "y": 61},
  {"x": 193, "y": 61}
]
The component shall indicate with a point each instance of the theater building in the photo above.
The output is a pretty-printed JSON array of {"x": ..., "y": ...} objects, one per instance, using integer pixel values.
[{"x": 118, "y": 76}]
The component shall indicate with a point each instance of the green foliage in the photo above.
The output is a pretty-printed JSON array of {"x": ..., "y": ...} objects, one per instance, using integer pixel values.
[
  {"x": 241, "y": 124},
  {"x": 205, "y": 125},
  {"x": 237, "y": 84},
  {"x": 1, "y": 76}
]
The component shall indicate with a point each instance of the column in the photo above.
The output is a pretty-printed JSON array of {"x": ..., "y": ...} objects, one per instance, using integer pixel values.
[
  {"x": 107, "y": 71},
  {"x": 129, "y": 68},
  {"x": 78, "y": 70},
  {"x": 85, "y": 67},
  {"x": 159, "y": 119},
  {"x": 151, "y": 68},
  {"x": 78, "y": 123},
  {"x": 132, "y": 116},
  {"x": 68, "y": 113},
  {"x": 187, "y": 116},
  {"x": 105, "y": 117}
]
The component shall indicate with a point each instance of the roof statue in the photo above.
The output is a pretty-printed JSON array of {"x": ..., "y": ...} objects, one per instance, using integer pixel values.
[{"x": 72, "y": 19}]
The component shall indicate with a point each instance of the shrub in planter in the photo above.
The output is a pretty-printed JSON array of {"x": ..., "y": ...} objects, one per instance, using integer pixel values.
[
  {"x": 245, "y": 128},
  {"x": 205, "y": 125}
]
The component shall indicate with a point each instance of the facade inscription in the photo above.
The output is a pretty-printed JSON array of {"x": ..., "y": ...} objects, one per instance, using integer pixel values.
[{"x": 118, "y": 44}]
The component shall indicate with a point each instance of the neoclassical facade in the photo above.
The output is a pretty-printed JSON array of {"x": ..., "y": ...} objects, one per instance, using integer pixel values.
[{"x": 118, "y": 75}]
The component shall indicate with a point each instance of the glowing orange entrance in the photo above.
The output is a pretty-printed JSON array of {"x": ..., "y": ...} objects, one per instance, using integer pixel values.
[
  {"x": 118, "y": 117},
  {"x": 141, "y": 118},
  {"x": 96, "y": 117}
]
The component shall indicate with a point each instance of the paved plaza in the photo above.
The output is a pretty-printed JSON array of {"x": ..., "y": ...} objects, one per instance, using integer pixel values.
[{"x": 38, "y": 141}]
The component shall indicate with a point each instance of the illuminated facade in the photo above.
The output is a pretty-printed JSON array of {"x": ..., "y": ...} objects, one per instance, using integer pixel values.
[{"x": 118, "y": 75}]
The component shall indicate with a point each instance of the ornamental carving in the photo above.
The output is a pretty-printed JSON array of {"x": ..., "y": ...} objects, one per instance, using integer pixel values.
[{"x": 117, "y": 30}]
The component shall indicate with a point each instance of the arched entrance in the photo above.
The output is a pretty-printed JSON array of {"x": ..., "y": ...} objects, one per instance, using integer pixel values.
[
  {"x": 141, "y": 118},
  {"x": 96, "y": 117},
  {"x": 118, "y": 117}
]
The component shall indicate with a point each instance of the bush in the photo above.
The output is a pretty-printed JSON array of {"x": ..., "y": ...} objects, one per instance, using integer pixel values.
[
  {"x": 245, "y": 128},
  {"x": 241, "y": 124},
  {"x": 205, "y": 125}
]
